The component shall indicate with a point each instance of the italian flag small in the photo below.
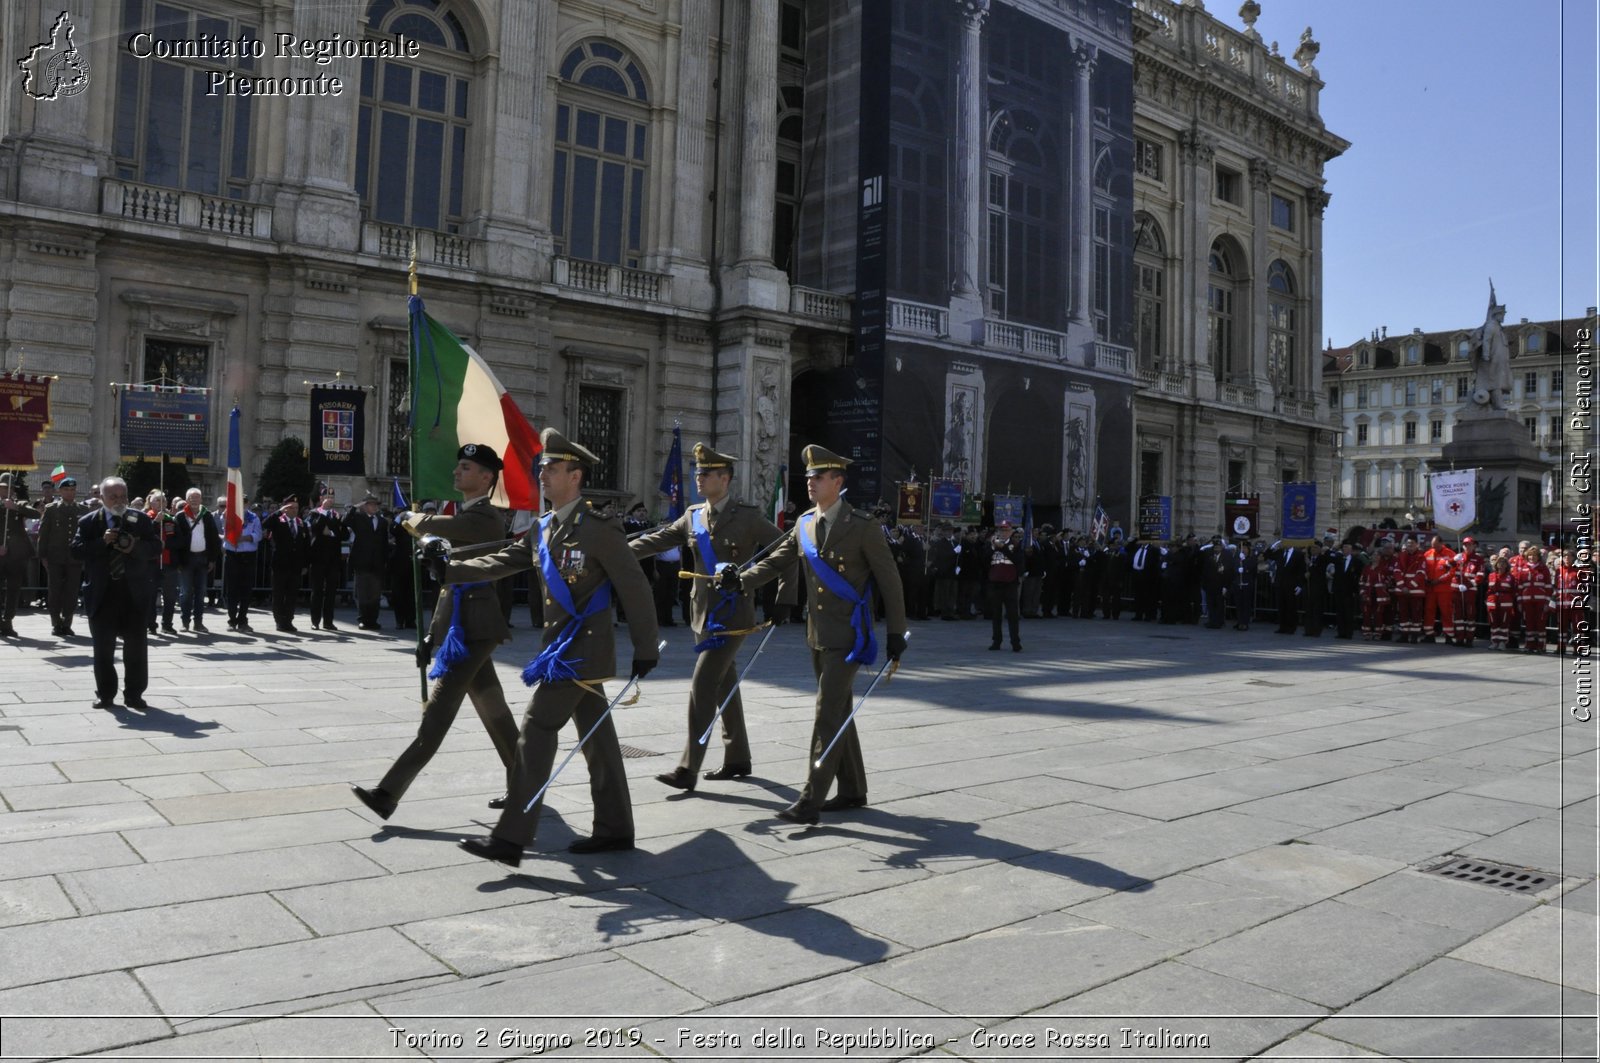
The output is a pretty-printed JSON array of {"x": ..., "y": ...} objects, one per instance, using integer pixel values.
[
  {"x": 58, "y": 474},
  {"x": 457, "y": 400},
  {"x": 775, "y": 508}
]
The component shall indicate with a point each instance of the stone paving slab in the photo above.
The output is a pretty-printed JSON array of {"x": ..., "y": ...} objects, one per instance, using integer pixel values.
[
  {"x": 332, "y": 1035},
  {"x": 1279, "y": 794},
  {"x": 70, "y": 1005},
  {"x": 1551, "y": 943}
]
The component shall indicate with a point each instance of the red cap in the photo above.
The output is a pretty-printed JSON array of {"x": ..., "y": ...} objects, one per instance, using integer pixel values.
[
  {"x": 1005, "y": 524},
  {"x": 1469, "y": 539}
]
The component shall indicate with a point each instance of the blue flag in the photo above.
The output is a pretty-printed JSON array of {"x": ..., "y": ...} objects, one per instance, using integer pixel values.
[
  {"x": 1027, "y": 522},
  {"x": 399, "y": 499},
  {"x": 672, "y": 476}
]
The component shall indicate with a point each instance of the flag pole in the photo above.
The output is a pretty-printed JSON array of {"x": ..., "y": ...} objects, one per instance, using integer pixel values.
[{"x": 416, "y": 562}]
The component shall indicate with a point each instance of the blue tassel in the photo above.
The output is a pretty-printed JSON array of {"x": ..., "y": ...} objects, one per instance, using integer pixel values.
[
  {"x": 714, "y": 628},
  {"x": 550, "y": 666},
  {"x": 454, "y": 647}
]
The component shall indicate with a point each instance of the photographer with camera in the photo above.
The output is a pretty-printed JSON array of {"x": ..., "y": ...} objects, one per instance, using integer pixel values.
[{"x": 118, "y": 547}]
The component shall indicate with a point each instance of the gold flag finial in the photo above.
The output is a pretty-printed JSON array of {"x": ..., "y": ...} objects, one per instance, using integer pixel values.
[{"x": 413, "y": 270}]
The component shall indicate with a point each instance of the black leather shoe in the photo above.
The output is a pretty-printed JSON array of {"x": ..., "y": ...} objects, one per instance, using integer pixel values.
[
  {"x": 601, "y": 845},
  {"x": 104, "y": 703},
  {"x": 729, "y": 771},
  {"x": 840, "y": 803},
  {"x": 994, "y": 645},
  {"x": 136, "y": 703},
  {"x": 492, "y": 848},
  {"x": 679, "y": 779},
  {"x": 377, "y": 799},
  {"x": 1016, "y": 647},
  {"x": 800, "y": 812},
  {"x": 498, "y": 803}
]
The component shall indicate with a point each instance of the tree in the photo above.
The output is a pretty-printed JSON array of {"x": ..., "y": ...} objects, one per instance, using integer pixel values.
[
  {"x": 287, "y": 472},
  {"x": 145, "y": 476}
]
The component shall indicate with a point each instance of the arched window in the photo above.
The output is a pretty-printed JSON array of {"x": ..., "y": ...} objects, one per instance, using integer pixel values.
[
  {"x": 786, "y": 210},
  {"x": 1283, "y": 342},
  {"x": 1221, "y": 286},
  {"x": 1024, "y": 214},
  {"x": 411, "y": 132},
  {"x": 167, "y": 128},
  {"x": 598, "y": 189},
  {"x": 1149, "y": 292},
  {"x": 1463, "y": 348}
]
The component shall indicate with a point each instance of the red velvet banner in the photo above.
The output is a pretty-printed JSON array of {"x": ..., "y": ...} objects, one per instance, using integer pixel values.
[{"x": 24, "y": 417}]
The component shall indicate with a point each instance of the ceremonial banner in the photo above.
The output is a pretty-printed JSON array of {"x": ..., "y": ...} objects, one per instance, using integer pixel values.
[
  {"x": 1008, "y": 507},
  {"x": 24, "y": 417},
  {"x": 671, "y": 483},
  {"x": 911, "y": 507},
  {"x": 158, "y": 419},
  {"x": 1455, "y": 499},
  {"x": 946, "y": 501},
  {"x": 457, "y": 400},
  {"x": 1300, "y": 511},
  {"x": 1242, "y": 516},
  {"x": 1155, "y": 517},
  {"x": 778, "y": 503},
  {"x": 338, "y": 430}
]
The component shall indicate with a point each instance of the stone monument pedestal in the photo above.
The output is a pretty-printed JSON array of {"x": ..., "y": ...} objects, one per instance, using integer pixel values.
[{"x": 1510, "y": 475}]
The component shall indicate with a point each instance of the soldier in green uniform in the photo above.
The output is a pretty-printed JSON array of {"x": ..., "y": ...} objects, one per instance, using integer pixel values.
[
  {"x": 63, "y": 573},
  {"x": 583, "y": 559},
  {"x": 467, "y": 626},
  {"x": 16, "y": 553},
  {"x": 845, "y": 553},
  {"x": 720, "y": 530}
]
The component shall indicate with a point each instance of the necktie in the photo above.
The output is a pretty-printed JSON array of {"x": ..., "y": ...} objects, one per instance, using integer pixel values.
[
  {"x": 822, "y": 531},
  {"x": 118, "y": 565}
]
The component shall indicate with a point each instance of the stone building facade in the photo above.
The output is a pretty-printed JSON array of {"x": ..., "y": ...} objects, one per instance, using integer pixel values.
[
  {"x": 1229, "y": 199},
  {"x": 1394, "y": 400}
]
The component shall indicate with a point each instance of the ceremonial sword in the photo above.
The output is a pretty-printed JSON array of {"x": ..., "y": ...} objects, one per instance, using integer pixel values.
[
  {"x": 748, "y": 665},
  {"x": 870, "y": 688},
  {"x": 632, "y": 682}
]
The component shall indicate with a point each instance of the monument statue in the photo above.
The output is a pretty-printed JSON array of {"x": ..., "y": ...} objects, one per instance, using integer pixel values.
[{"x": 1491, "y": 388}]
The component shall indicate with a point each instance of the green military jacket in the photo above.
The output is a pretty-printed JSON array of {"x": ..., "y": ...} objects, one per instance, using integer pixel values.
[
  {"x": 588, "y": 549},
  {"x": 481, "y": 614},
  {"x": 13, "y": 529},
  {"x": 855, "y": 547},
  {"x": 737, "y": 534},
  {"x": 56, "y": 529}
]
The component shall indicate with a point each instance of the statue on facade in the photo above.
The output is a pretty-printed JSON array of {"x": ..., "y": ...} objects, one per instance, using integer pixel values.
[{"x": 1491, "y": 388}]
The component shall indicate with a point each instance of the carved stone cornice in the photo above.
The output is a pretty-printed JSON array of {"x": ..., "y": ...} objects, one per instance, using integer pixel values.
[
  {"x": 1261, "y": 174},
  {"x": 973, "y": 12},
  {"x": 1195, "y": 146}
]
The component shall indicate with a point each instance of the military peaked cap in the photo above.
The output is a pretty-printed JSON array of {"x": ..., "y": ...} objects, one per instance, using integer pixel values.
[
  {"x": 558, "y": 447},
  {"x": 706, "y": 458},
  {"x": 820, "y": 459}
]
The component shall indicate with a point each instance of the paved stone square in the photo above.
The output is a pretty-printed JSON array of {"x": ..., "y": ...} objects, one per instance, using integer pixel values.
[{"x": 1130, "y": 841}]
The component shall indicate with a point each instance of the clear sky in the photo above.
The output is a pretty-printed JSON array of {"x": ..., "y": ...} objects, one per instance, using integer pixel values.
[{"x": 1473, "y": 156}]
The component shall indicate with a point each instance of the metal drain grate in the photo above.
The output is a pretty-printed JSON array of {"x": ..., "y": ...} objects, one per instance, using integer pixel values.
[
  {"x": 1516, "y": 879},
  {"x": 634, "y": 753}
]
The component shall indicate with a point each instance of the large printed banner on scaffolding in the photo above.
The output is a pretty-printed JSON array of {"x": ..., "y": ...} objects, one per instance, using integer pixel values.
[
  {"x": 24, "y": 417},
  {"x": 159, "y": 419},
  {"x": 338, "y": 430}
]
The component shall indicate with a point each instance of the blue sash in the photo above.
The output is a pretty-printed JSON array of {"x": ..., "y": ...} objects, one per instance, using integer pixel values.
[
  {"x": 708, "y": 562},
  {"x": 454, "y": 646},
  {"x": 551, "y": 666},
  {"x": 865, "y": 651}
]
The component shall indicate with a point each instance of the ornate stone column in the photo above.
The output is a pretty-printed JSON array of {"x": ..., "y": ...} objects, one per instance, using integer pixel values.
[
  {"x": 1261, "y": 174},
  {"x": 970, "y": 149},
  {"x": 1084, "y": 58},
  {"x": 1192, "y": 251},
  {"x": 758, "y": 158}
]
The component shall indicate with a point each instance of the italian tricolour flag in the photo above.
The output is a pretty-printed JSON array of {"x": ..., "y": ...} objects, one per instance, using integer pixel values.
[{"x": 457, "y": 400}]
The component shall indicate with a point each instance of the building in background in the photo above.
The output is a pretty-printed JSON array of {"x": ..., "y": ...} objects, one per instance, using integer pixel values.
[
  {"x": 1394, "y": 400},
  {"x": 1227, "y": 265}
]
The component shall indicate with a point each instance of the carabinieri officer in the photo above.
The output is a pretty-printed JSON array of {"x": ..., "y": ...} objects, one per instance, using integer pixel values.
[
  {"x": 845, "y": 555},
  {"x": 584, "y": 561},
  {"x": 719, "y": 530}
]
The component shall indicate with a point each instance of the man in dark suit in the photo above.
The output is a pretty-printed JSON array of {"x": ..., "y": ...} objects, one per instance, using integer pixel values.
[
  {"x": 844, "y": 554},
  {"x": 1319, "y": 569},
  {"x": 468, "y": 620},
  {"x": 586, "y": 563},
  {"x": 290, "y": 539},
  {"x": 1146, "y": 565},
  {"x": 1216, "y": 573},
  {"x": 719, "y": 530},
  {"x": 1289, "y": 580},
  {"x": 326, "y": 555},
  {"x": 118, "y": 548},
  {"x": 1347, "y": 566},
  {"x": 369, "y": 556}
]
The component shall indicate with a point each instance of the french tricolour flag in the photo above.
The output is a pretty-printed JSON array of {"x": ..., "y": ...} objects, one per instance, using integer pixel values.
[{"x": 233, "y": 522}]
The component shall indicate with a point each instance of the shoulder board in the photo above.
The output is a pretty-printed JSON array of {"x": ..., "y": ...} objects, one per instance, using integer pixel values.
[
  {"x": 595, "y": 514},
  {"x": 864, "y": 515}
]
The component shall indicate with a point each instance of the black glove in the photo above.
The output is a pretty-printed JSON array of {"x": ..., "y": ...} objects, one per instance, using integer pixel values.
[
  {"x": 439, "y": 568},
  {"x": 424, "y": 653},
  {"x": 642, "y": 668},
  {"x": 728, "y": 579},
  {"x": 897, "y": 645}
]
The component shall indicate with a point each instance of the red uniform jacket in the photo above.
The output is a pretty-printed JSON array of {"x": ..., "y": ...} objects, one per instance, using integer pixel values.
[
  {"x": 1470, "y": 571},
  {"x": 1502, "y": 590},
  {"x": 1409, "y": 573}
]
